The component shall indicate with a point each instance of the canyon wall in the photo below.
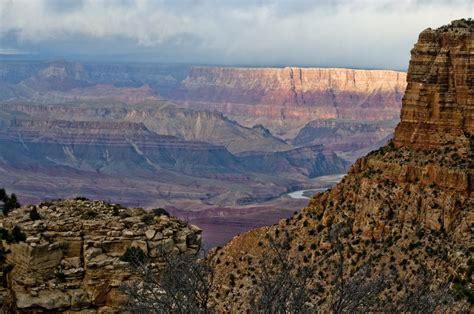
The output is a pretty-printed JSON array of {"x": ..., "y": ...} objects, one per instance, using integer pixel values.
[
  {"x": 281, "y": 100},
  {"x": 284, "y": 99},
  {"x": 110, "y": 157}
]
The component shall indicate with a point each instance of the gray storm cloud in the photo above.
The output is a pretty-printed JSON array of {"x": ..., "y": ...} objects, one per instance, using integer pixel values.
[{"x": 371, "y": 34}]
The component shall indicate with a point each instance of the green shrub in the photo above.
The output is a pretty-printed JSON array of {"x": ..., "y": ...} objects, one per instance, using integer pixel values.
[
  {"x": 90, "y": 214},
  {"x": 115, "y": 211},
  {"x": 34, "y": 215},
  {"x": 232, "y": 280},
  {"x": 81, "y": 198},
  {"x": 14, "y": 237},
  {"x": 18, "y": 235},
  {"x": 10, "y": 202},
  {"x": 60, "y": 275},
  {"x": 3, "y": 255},
  {"x": 160, "y": 211},
  {"x": 148, "y": 219}
]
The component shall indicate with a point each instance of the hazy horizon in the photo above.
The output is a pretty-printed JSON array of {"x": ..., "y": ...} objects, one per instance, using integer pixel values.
[{"x": 350, "y": 34}]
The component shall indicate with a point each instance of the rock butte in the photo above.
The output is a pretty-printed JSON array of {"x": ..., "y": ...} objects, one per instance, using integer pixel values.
[{"x": 408, "y": 206}]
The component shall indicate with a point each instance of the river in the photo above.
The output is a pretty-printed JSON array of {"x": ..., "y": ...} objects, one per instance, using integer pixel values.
[{"x": 327, "y": 181}]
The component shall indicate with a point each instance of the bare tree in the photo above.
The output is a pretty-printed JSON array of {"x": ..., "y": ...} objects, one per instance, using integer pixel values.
[
  {"x": 423, "y": 296},
  {"x": 363, "y": 291},
  {"x": 182, "y": 285},
  {"x": 282, "y": 287},
  {"x": 356, "y": 293},
  {"x": 185, "y": 284}
]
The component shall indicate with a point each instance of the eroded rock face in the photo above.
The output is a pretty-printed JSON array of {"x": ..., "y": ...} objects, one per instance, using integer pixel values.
[
  {"x": 293, "y": 96},
  {"x": 439, "y": 101},
  {"x": 70, "y": 260},
  {"x": 405, "y": 208}
]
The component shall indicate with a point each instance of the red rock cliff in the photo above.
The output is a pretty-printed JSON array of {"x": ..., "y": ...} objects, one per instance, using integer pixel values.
[
  {"x": 301, "y": 94},
  {"x": 439, "y": 101}
]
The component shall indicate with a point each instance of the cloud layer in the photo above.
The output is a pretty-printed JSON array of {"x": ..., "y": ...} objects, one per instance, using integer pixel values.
[{"x": 367, "y": 34}]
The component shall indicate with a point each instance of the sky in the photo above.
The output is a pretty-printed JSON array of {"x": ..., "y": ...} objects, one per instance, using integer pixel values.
[{"x": 337, "y": 33}]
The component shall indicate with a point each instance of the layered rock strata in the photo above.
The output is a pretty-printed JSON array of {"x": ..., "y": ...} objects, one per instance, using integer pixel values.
[
  {"x": 293, "y": 96},
  {"x": 439, "y": 102},
  {"x": 71, "y": 258}
]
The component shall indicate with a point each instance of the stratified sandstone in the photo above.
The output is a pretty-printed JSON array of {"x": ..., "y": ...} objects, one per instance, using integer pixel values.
[
  {"x": 438, "y": 105},
  {"x": 70, "y": 260},
  {"x": 404, "y": 209},
  {"x": 284, "y": 99}
]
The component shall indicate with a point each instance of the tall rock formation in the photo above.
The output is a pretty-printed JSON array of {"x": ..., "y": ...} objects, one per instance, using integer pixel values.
[
  {"x": 404, "y": 209},
  {"x": 71, "y": 257},
  {"x": 438, "y": 105}
]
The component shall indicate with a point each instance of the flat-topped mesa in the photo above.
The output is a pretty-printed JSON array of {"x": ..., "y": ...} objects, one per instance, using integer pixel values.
[
  {"x": 284, "y": 99},
  {"x": 71, "y": 259},
  {"x": 337, "y": 93},
  {"x": 438, "y": 105}
]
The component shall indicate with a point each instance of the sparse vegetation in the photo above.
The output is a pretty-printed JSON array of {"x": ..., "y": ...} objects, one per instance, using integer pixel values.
[
  {"x": 34, "y": 215},
  {"x": 10, "y": 201},
  {"x": 160, "y": 211},
  {"x": 135, "y": 256},
  {"x": 15, "y": 236}
]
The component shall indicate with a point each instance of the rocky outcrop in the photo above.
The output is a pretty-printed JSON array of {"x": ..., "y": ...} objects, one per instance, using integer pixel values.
[
  {"x": 284, "y": 99},
  {"x": 438, "y": 105},
  {"x": 405, "y": 209},
  {"x": 71, "y": 258}
]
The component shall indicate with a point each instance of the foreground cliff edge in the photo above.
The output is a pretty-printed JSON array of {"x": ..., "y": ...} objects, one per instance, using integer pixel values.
[
  {"x": 69, "y": 255},
  {"x": 405, "y": 210}
]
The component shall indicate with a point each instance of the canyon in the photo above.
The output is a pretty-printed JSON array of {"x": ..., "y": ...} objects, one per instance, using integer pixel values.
[
  {"x": 231, "y": 149},
  {"x": 222, "y": 146}
]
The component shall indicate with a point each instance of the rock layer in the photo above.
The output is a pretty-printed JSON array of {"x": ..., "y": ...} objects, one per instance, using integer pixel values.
[
  {"x": 439, "y": 102},
  {"x": 293, "y": 96}
]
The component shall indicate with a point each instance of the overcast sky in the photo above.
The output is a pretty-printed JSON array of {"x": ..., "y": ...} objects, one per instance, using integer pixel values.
[{"x": 358, "y": 34}]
